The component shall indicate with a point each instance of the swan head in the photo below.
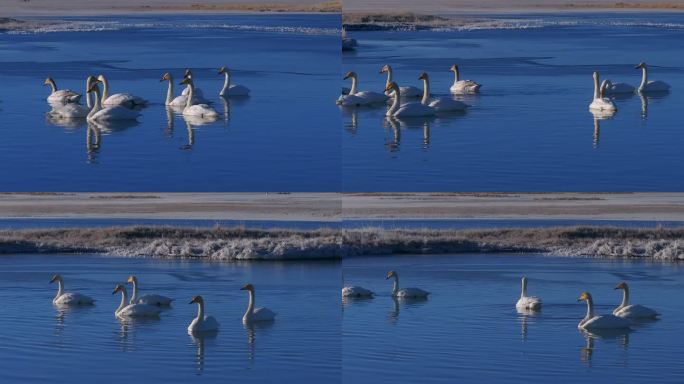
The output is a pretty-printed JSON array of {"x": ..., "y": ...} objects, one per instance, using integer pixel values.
[
  {"x": 100, "y": 78},
  {"x": 118, "y": 288},
  {"x": 640, "y": 65},
  {"x": 584, "y": 296},
  {"x": 186, "y": 80},
  {"x": 187, "y": 73},
  {"x": 391, "y": 86},
  {"x": 596, "y": 75},
  {"x": 223, "y": 70},
  {"x": 132, "y": 279},
  {"x": 622, "y": 285},
  {"x": 454, "y": 68},
  {"x": 350, "y": 74},
  {"x": 247, "y": 287},
  {"x": 423, "y": 76},
  {"x": 93, "y": 86},
  {"x": 524, "y": 280},
  {"x": 385, "y": 68},
  {"x": 390, "y": 275},
  {"x": 196, "y": 300},
  {"x": 48, "y": 81},
  {"x": 165, "y": 77},
  {"x": 55, "y": 278}
]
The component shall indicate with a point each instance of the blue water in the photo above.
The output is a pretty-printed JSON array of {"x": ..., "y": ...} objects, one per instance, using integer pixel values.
[
  {"x": 266, "y": 142},
  {"x": 530, "y": 128},
  {"x": 42, "y": 343},
  {"x": 468, "y": 331}
]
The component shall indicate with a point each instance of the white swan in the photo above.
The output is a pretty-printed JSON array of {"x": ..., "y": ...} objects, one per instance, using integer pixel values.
[
  {"x": 610, "y": 88},
  {"x": 631, "y": 311},
  {"x": 200, "y": 110},
  {"x": 442, "y": 104},
  {"x": 413, "y": 109},
  {"x": 525, "y": 302},
  {"x": 179, "y": 102},
  {"x": 356, "y": 97},
  {"x": 462, "y": 86},
  {"x": 356, "y": 291},
  {"x": 97, "y": 113},
  {"x": 406, "y": 293},
  {"x": 197, "y": 92},
  {"x": 591, "y": 322},
  {"x": 405, "y": 91},
  {"x": 229, "y": 89},
  {"x": 650, "y": 86},
  {"x": 60, "y": 95},
  {"x": 600, "y": 103},
  {"x": 68, "y": 298},
  {"x": 73, "y": 110},
  {"x": 202, "y": 323},
  {"x": 253, "y": 315},
  {"x": 123, "y": 99},
  {"x": 158, "y": 300},
  {"x": 133, "y": 310}
]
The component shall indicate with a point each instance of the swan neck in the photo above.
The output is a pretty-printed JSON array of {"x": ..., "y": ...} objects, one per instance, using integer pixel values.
[
  {"x": 226, "y": 84},
  {"x": 53, "y": 85},
  {"x": 523, "y": 292},
  {"x": 354, "y": 86},
  {"x": 396, "y": 102},
  {"x": 250, "y": 306},
  {"x": 644, "y": 77},
  {"x": 457, "y": 75},
  {"x": 596, "y": 87},
  {"x": 389, "y": 76},
  {"x": 191, "y": 92},
  {"x": 426, "y": 91},
  {"x": 60, "y": 289},
  {"x": 625, "y": 297},
  {"x": 169, "y": 92},
  {"x": 590, "y": 308},
  {"x": 105, "y": 88},
  {"x": 98, "y": 103},
  {"x": 134, "y": 297},
  {"x": 200, "y": 311},
  {"x": 124, "y": 300},
  {"x": 395, "y": 286}
]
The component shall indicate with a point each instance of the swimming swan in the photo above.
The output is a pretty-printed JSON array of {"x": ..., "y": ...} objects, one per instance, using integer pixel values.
[
  {"x": 200, "y": 110},
  {"x": 123, "y": 99},
  {"x": 600, "y": 103},
  {"x": 178, "y": 102},
  {"x": 527, "y": 302},
  {"x": 354, "y": 97},
  {"x": 97, "y": 113},
  {"x": 356, "y": 291},
  {"x": 62, "y": 95},
  {"x": 650, "y": 86},
  {"x": 73, "y": 110},
  {"x": 202, "y": 323},
  {"x": 442, "y": 104},
  {"x": 229, "y": 89},
  {"x": 627, "y": 311},
  {"x": 158, "y": 300},
  {"x": 406, "y": 293},
  {"x": 413, "y": 109},
  {"x": 68, "y": 298},
  {"x": 405, "y": 91},
  {"x": 253, "y": 315},
  {"x": 610, "y": 88},
  {"x": 459, "y": 86},
  {"x": 591, "y": 322},
  {"x": 133, "y": 310}
]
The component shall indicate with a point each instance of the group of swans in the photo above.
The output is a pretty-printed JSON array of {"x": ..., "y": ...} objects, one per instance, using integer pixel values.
[
  {"x": 354, "y": 291},
  {"x": 602, "y": 102},
  {"x": 151, "y": 305}
]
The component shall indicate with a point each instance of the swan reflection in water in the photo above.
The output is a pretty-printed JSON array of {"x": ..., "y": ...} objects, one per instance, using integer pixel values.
[
  {"x": 199, "y": 340},
  {"x": 191, "y": 122},
  {"x": 129, "y": 326},
  {"x": 70, "y": 123},
  {"x": 252, "y": 329},
  {"x": 621, "y": 336},
  {"x": 524, "y": 316},
  {"x": 64, "y": 311},
  {"x": 598, "y": 116},
  {"x": 406, "y": 302}
]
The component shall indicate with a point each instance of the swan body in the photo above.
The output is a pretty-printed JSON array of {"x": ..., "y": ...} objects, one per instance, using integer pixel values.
[
  {"x": 600, "y": 103},
  {"x": 413, "y": 109},
  {"x": 97, "y": 113},
  {"x": 462, "y": 86},
  {"x": 594, "y": 322},
  {"x": 632, "y": 311},
  {"x": 252, "y": 314},
  {"x": 650, "y": 86},
  {"x": 199, "y": 110},
  {"x": 525, "y": 302},
  {"x": 157, "y": 300},
  {"x": 406, "y": 293},
  {"x": 202, "y": 323},
  {"x": 229, "y": 89},
  {"x": 118, "y": 99},
  {"x": 356, "y": 291},
  {"x": 442, "y": 104},
  {"x": 354, "y": 97},
  {"x": 68, "y": 298},
  {"x": 610, "y": 88},
  {"x": 404, "y": 91},
  {"x": 60, "y": 96},
  {"x": 133, "y": 310},
  {"x": 70, "y": 111}
]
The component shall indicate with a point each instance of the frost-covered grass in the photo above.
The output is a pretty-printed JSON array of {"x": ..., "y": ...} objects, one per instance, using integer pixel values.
[{"x": 240, "y": 243}]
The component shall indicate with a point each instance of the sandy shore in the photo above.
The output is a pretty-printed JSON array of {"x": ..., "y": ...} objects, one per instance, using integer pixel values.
[{"x": 356, "y": 206}]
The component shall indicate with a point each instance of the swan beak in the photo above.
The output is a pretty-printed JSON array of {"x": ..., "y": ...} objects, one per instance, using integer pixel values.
[
  {"x": 53, "y": 280},
  {"x": 162, "y": 79},
  {"x": 130, "y": 279},
  {"x": 192, "y": 301},
  {"x": 243, "y": 289},
  {"x": 115, "y": 291}
]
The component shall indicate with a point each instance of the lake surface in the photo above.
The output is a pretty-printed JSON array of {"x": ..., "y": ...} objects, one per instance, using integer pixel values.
[
  {"x": 468, "y": 330},
  {"x": 43, "y": 344},
  {"x": 530, "y": 128},
  {"x": 265, "y": 142}
]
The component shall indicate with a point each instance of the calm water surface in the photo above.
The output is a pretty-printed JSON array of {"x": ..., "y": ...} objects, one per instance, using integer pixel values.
[
  {"x": 469, "y": 329},
  {"x": 43, "y": 344},
  {"x": 265, "y": 142},
  {"x": 530, "y": 128}
]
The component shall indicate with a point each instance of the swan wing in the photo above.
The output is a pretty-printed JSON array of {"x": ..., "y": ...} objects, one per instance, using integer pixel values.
[
  {"x": 263, "y": 314},
  {"x": 636, "y": 312},
  {"x": 356, "y": 291},
  {"x": 238, "y": 90},
  {"x": 139, "y": 310},
  {"x": 414, "y": 110},
  {"x": 619, "y": 88},
  {"x": 465, "y": 86},
  {"x": 602, "y": 104},
  {"x": 158, "y": 300},
  {"x": 606, "y": 322},
  {"x": 529, "y": 302},
  {"x": 115, "y": 113},
  {"x": 656, "y": 86},
  {"x": 197, "y": 93},
  {"x": 410, "y": 91},
  {"x": 70, "y": 111},
  {"x": 74, "y": 299},
  {"x": 412, "y": 292},
  {"x": 201, "y": 110},
  {"x": 372, "y": 97},
  {"x": 350, "y": 100},
  {"x": 444, "y": 104}
]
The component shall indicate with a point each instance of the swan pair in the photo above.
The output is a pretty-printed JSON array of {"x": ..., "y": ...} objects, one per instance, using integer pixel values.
[
  {"x": 356, "y": 291},
  {"x": 128, "y": 309},
  {"x": 619, "y": 319},
  {"x": 358, "y": 98},
  {"x": 202, "y": 323},
  {"x": 441, "y": 104},
  {"x": 182, "y": 100}
]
